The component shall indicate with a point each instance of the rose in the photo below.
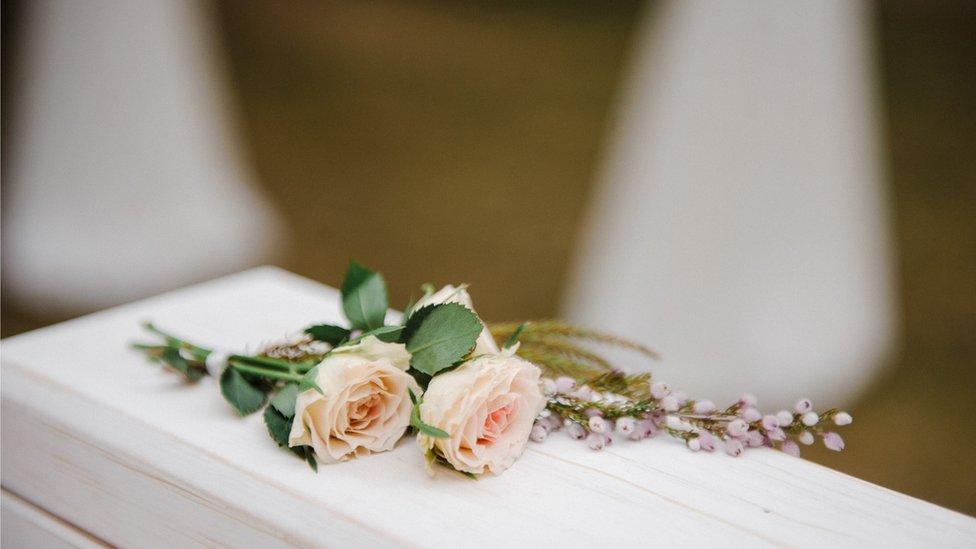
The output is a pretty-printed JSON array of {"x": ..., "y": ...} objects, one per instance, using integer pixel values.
[
  {"x": 364, "y": 405},
  {"x": 487, "y": 407},
  {"x": 452, "y": 294}
]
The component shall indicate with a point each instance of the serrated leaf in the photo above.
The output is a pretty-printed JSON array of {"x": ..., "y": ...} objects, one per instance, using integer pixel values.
[
  {"x": 437, "y": 336},
  {"x": 240, "y": 393},
  {"x": 333, "y": 335},
  {"x": 284, "y": 399},
  {"x": 364, "y": 298},
  {"x": 279, "y": 426},
  {"x": 414, "y": 322}
]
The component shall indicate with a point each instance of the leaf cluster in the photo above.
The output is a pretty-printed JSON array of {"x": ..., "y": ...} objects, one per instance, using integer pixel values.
[
  {"x": 279, "y": 416},
  {"x": 176, "y": 354},
  {"x": 244, "y": 395},
  {"x": 438, "y": 338}
]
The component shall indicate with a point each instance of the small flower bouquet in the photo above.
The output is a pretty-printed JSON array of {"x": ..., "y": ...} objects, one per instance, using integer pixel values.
[{"x": 473, "y": 394}]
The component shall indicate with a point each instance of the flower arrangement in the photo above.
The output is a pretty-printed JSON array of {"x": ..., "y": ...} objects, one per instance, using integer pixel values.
[{"x": 472, "y": 393}]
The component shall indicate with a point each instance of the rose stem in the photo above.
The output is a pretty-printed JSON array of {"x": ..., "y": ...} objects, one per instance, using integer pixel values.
[{"x": 264, "y": 372}]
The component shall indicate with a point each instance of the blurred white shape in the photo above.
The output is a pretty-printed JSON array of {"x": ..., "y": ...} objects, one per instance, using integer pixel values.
[
  {"x": 124, "y": 178},
  {"x": 741, "y": 223}
]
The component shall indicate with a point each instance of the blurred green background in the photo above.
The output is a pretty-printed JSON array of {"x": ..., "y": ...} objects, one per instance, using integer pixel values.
[
  {"x": 438, "y": 130},
  {"x": 451, "y": 141}
]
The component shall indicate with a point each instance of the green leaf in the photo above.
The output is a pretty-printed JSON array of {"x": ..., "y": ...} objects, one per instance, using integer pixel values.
[
  {"x": 387, "y": 334},
  {"x": 364, "y": 297},
  {"x": 310, "y": 458},
  {"x": 419, "y": 424},
  {"x": 171, "y": 357},
  {"x": 437, "y": 336},
  {"x": 308, "y": 381},
  {"x": 513, "y": 339},
  {"x": 428, "y": 430},
  {"x": 279, "y": 426},
  {"x": 333, "y": 335},
  {"x": 284, "y": 400},
  {"x": 240, "y": 393},
  {"x": 414, "y": 322},
  {"x": 421, "y": 378}
]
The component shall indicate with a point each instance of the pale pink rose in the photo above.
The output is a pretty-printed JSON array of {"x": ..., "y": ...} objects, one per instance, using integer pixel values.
[
  {"x": 458, "y": 294},
  {"x": 487, "y": 407},
  {"x": 365, "y": 406}
]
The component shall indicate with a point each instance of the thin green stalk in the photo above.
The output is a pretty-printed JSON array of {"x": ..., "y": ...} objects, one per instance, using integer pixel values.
[
  {"x": 264, "y": 372},
  {"x": 277, "y": 364},
  {"x": 200, "y": 353},
  {"x": 152, "y": 351}
]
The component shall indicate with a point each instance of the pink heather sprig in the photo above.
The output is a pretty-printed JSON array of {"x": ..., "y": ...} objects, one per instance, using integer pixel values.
[{"x": 615, "y": 405}]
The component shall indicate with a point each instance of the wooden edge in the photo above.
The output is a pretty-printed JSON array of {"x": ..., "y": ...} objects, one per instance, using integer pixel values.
[
  {"x": 65, "y": 451},
  {"x": 27, "y": 525}
]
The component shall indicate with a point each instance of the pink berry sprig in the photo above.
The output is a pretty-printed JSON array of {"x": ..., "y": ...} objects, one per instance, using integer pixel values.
[{"x": 615, "y": 404}]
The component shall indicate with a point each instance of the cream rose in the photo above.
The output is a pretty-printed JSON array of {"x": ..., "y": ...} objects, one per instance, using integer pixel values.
[
  {"x": 365, "y": 406},
  {"x": 458, "y": 294},
  {"x": 487, "y": 407}
]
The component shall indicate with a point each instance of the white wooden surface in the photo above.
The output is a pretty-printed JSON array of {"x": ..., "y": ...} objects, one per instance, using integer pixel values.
[
  {"x": 26, "y": 525},
  {"x": 118, "y": 447}
]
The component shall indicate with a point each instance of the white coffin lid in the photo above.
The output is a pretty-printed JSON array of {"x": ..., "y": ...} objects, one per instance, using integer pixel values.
[{"x": 123, "y": 449}]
